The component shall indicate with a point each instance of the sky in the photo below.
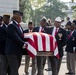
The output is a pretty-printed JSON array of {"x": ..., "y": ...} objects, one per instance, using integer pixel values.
[{"x": 66, "y": 0}]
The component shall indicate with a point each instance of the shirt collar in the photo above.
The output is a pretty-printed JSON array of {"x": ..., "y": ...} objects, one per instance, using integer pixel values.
[
  {"x": 16, "y": 22},
  {"x": 30, "y": 30},
  {"x": 72, "y": 31},
  {"x": 5, "y": 25},
  {"x": 56, "y": 28},
  {"x": 40, "y": 27}
]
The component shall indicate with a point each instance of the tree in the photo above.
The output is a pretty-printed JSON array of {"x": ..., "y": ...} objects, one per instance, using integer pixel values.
[
  {"x": 52, "y": 9},
  {"x": 36, "y": 9},
  {"x": 37, "y": 3},
  {"x": 25, "y": 7},
  {"x": 72, "y": 1},
  {"x": 74, "y": 9},
  {"x": 74, "y": 15}
]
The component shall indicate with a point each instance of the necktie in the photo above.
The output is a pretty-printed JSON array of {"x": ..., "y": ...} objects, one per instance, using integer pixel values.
[
  {"x": 20, "y": 27},
  {"x": 56, "y": 31},
  {"x": 69, "y": 35},
  {"x": 42, "y": 29}
]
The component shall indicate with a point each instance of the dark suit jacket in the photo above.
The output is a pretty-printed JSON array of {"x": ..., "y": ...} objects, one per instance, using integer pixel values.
[
  {"x": 74, "y": 21},
  {"x": 36, "y": 29},
  {"x": 61, "y": 41},
  {"x": 14, "y": 40},
  {"x": 2, "y": 39},
  {"x": 67, "y": 33},
  {"x": 26, "y": 31},
  {"x": 71, "y": 43},
  {"x": 68, "y": 23}
]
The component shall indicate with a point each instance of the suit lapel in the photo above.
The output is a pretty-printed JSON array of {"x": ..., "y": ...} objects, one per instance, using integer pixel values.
[
  {"x": 73, "y": 34},
  {"x": 21, "y": 31},
  {"x": 4, "y": 27},
  {"x": 59, "y": 31},
  {"x": 45, "y": 30},
  {"x": 72, "y": 37},
  {"x": 38, "y": 29},
  {"x": 59, "y": 34},
  {"x": 27, "y": 30},
  {"x": 52, "y": 31},
  {"x": 18, "y": 30}
]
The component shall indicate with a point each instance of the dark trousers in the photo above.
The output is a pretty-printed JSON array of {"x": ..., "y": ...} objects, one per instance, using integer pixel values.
[
  {"x": 3, "y": 65},
  {"x": 59, "y": 64},
  {"x": 40, "y": 64},
  {"x": 14, "y": 62},
  {"x": 8, "y": 70},
  {"x": 53, "y": 61}
]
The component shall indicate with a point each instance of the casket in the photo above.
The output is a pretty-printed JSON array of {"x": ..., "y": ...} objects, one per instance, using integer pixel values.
[{"x": 41, "y": 44}]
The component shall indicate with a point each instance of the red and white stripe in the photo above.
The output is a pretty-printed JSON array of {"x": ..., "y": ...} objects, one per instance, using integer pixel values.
[{"x": 41, "y": 42}]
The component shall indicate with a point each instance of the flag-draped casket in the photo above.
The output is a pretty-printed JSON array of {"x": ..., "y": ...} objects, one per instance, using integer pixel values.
[{"x": 38, "y": 41}]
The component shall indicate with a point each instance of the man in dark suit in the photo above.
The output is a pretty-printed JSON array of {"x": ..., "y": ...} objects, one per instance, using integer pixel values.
[
  {"x": 1, "y": 19},
  {"x": 27, "y": 57},
  {"x": 41, "y": 59},
  {"x": 60, "y": 35},
  {"x": 30, "y": 28},
  {"x": 3, "y": 62},
  {"x": 68, "y": 22},
  {"x": 6, "y": 20},
  {"x": 74, "y": 21},
  {"x": 71, "y": 50},
  {"x": 14, "y": 43}
]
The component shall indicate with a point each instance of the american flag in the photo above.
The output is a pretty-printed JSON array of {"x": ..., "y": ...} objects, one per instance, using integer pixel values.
[{"x": 38, "y": 41}]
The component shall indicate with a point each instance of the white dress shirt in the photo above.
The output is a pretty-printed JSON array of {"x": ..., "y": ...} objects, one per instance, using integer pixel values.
[{"x": 54, "y": 29}]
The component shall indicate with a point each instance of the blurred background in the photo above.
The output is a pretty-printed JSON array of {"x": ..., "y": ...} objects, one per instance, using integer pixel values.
[{"x": 34, "y": 10}]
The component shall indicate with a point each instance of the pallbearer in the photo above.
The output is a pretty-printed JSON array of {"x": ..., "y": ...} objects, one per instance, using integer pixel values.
[
  {"x": 3, "y": 30},
  {"x": 60, "y": 35},
  {"x": 14, "y": 43}
]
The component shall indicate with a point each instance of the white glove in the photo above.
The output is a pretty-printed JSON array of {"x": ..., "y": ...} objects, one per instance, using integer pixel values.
[
  {"x": 74, "y": 49},
  {"x": 24, "y": 46}
]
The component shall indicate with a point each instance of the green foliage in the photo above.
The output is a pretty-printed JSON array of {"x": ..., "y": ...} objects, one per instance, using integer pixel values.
[
  {"x": 25, "y": 7},
  {"x": 36, "y": 9},
  {"x": 37, "y": 3},
  {"x": 50, "y": 10},
  {"x": 74, "y": 15},
  {"x": 73, "y": 8},
  {"x": 72, "y": 1}
]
